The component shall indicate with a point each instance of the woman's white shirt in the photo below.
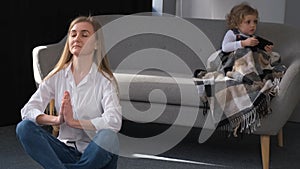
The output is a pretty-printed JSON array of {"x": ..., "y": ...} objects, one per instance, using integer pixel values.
[{"x": 95, "y": 98}]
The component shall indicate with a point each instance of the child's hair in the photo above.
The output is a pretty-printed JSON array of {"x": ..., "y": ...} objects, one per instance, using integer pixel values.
[{"x": 238, "y": 13}]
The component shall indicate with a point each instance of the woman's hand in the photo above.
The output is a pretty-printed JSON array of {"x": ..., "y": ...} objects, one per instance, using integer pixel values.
[
  {"x": 66, "y": 110},
  {"x": 67, "y": 113},
  {"x": 59, "y": 119},
  {"x": 46, "y": 119}
]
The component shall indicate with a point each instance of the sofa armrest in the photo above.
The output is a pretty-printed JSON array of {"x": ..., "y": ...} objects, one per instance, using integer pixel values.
[{"x": 284, "y": 104}]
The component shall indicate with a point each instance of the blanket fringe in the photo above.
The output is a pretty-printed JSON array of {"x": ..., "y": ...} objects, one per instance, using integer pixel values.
[{"x": 248, "y": 121}]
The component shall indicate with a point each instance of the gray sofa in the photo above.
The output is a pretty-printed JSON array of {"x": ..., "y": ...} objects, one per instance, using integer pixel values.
[{"x": 154, "y": 57}]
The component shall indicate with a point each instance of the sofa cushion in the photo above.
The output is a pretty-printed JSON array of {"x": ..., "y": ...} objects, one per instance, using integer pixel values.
[{"x": 158, "y": 89}]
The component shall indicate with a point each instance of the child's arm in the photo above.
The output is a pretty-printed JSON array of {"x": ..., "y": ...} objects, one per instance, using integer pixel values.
[{"x": 229, "y": 43}]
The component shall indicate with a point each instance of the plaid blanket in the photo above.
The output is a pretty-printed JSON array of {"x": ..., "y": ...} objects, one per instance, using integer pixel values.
[{"x": 238, "y": 94}]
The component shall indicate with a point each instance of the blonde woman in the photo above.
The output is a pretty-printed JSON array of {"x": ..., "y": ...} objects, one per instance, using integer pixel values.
[{"x": 86, "y": 97}]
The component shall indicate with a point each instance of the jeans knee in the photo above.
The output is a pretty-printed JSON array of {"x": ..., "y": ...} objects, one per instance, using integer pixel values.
[
  {"x": 23, "y": 127},
  {"x": 108, "y": 140}
]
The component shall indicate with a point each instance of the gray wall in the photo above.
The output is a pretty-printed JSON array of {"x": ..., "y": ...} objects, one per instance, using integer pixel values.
[
  {"x": 269, "y": 11},
  {"x": 288, "y": 16}
]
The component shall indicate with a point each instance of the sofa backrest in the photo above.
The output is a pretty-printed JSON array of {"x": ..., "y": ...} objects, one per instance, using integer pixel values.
[
  {"x": 154, "y": 38},
  {"x": 286, "y": 40}
]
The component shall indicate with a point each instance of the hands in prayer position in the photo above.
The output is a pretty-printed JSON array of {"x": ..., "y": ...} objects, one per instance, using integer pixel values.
[{"x": 66, "y": 111}]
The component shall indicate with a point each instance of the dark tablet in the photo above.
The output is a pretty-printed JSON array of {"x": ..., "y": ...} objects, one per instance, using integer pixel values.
[{"x": 263, "y": 42}]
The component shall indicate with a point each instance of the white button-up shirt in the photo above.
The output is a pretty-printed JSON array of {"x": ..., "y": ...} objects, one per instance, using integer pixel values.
[{"x": 95, "y": 98}]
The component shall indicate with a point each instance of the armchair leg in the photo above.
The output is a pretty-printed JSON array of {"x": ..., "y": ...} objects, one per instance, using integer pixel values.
[
  {"x": 51, "y": 107},
  {"x": 55, "y": 129},
  {"x": 265, "y": 150},
  {"x": 280, "y": 138}
]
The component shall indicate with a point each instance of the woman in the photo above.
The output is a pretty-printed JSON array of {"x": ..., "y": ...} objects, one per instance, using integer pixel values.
[{"x": 86, "y": 95}]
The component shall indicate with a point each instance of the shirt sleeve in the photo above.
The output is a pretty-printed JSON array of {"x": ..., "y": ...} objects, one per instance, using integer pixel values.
[
  {"x": 38, "y": 102},
  {"x": 112, "y": 113},
  {"x": 229, "y": 43}
]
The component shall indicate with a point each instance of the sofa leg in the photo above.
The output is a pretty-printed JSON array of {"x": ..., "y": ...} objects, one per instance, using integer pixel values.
[
  {"x": 265, "y": 150},
  {"x": 280, "y": 138}
]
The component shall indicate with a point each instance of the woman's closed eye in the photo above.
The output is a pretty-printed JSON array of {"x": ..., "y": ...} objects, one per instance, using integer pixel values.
[{"x": 83, "y": 33}]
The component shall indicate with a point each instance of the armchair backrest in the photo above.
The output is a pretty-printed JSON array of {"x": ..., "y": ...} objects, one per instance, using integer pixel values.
[{"x": 45, "y": 58}]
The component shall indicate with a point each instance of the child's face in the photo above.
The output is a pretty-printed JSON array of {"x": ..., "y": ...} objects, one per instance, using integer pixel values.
[{"x": 248, "y": 25}]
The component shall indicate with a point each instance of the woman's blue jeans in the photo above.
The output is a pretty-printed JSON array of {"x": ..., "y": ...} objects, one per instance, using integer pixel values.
[{"x": 51, "y": 153}]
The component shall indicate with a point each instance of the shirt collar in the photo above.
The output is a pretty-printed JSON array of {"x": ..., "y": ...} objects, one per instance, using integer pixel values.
[{"x": 93, "y": 71}]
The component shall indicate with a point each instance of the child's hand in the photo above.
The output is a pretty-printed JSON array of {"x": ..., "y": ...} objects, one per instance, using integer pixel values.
[
  {"x": 252, "y": 41},
  {"x": 269, "y": 48}
]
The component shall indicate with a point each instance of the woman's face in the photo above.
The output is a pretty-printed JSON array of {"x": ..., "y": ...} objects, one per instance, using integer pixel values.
[
  {"x": 248, "y": 25},
  {"x": 81, "y": 39}
]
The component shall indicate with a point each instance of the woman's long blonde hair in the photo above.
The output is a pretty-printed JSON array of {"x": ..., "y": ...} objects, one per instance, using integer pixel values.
[{"x": 100, "y": 53}]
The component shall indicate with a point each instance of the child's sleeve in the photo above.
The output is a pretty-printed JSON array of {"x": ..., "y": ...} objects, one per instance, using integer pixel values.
[{"x": 229, "y": 43}]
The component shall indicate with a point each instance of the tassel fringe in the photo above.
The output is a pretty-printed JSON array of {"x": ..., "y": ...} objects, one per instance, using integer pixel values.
[{"x": 249, "y": 121}]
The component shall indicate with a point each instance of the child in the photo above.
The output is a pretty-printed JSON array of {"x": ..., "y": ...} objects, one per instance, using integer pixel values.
[{"x": 242, "y": 22}]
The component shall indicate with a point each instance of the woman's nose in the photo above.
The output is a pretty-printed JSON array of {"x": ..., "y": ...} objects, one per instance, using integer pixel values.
[{"x": 77, "y": 37}]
